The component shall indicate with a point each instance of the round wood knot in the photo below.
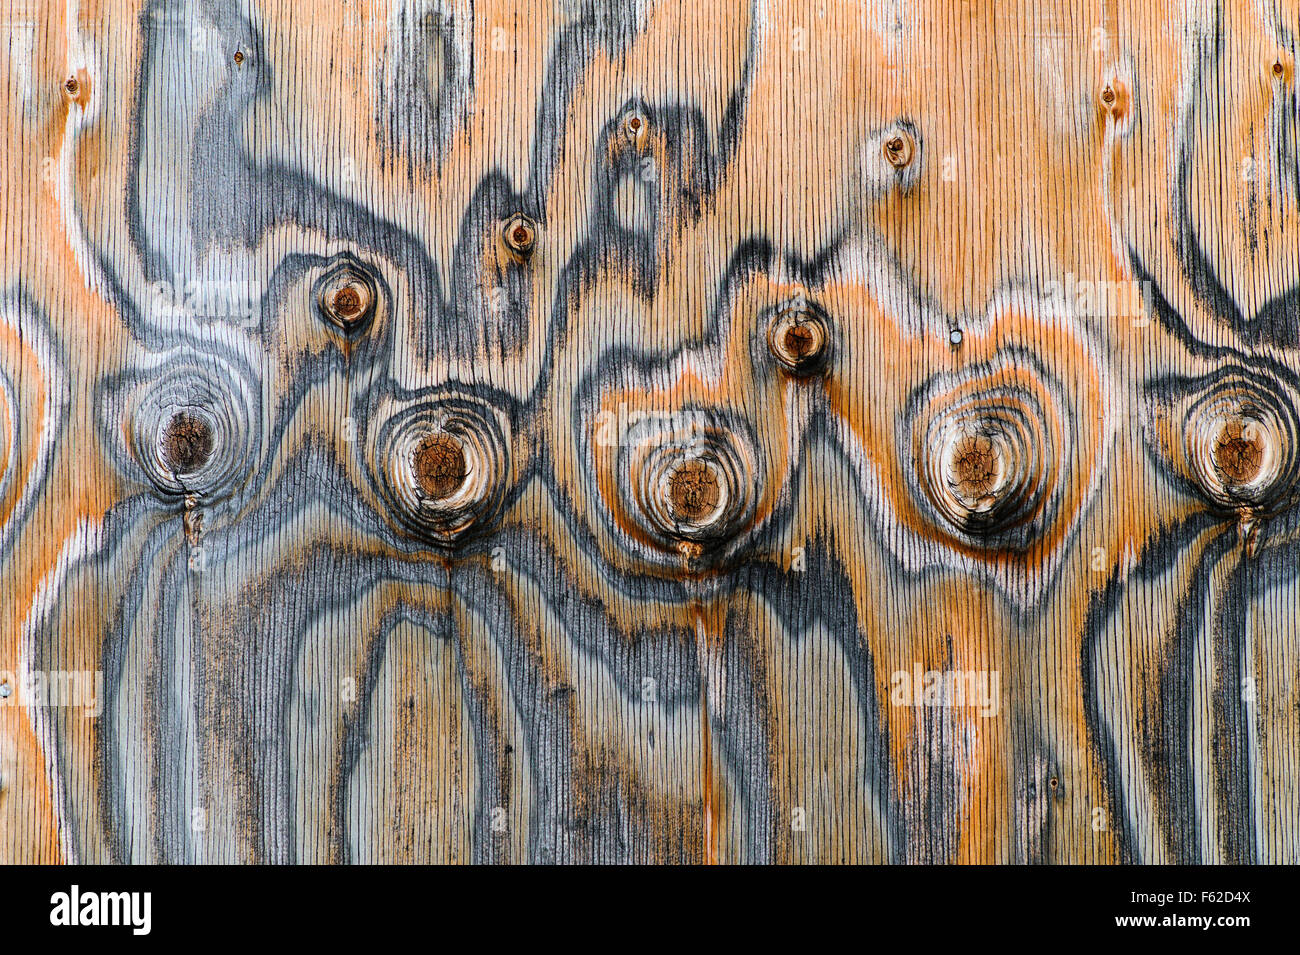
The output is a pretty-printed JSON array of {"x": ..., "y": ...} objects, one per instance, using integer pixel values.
[
  {"x": 798, "y": 337},
  {"x": 1279, "y": 65},
  {"x": 987, "y": 462},
  {"x": 685, "y": 477},
  {"x": 1114, "y": 99},
  {"x": 635, "y": 126},
  {"x": 682, "y": 482},
  {"x": 986, "y": 480},
  {"x": 1241, "y": 441},
  {"x": 76, "y": 89},
  {"x": 443, "y": 464},
  {"x": 799, "y": 341},
  {"x": 974, "y": 469},
  {"x": 347, "y": 303},
  {"x": 186, "y": 443},
  {"x": 439, "y": 465},
  {"x": 898, "y": 149},
  {"x": 239, "y": 57},
  {"x": 346, "y": 296},
  {"x": 520, "y": 234},
  {"x": 694, "y": 492},
  {"x": 1239, "y": 453},
  {"x": 192, "y": 422}
]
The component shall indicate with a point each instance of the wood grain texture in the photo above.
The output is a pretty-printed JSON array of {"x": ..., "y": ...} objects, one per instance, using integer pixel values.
[{"x": 565, "y": 431}]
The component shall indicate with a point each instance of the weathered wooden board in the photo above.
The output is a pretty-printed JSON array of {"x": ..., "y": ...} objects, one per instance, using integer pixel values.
[{"x": 692, "y": 430}]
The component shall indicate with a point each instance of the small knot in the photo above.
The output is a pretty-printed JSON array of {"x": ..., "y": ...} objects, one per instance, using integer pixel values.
[
  {"x": 75, "y": 89},
  {"x": 186, "y": 443},
  {"x": 443, "y": 465},
  {"x": 898, "y": 150},
  {"x": 973, "y": 471},
  {"x": 694, "y": 492},
  {"x": 346, "y": 302},
  {"x": 439, "y": 466},
  {"x": 1240, "y": 438},
  {"x": 1279, "y": 65},
  {"x": 346, "y": 297},
  {"x": 799, "y": 337},
  {"x": 691, "y": 478},
  {"x": 984, "y": 462},
  {"x": 799, "y": 341},
  {"x": 634, "y": 127},
  {"x": 239, "y": 57},
  {"x": 520, "y": 235},
  {"x": 1238, "y": 453},
  {"x": 1114, "y": 97}
]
